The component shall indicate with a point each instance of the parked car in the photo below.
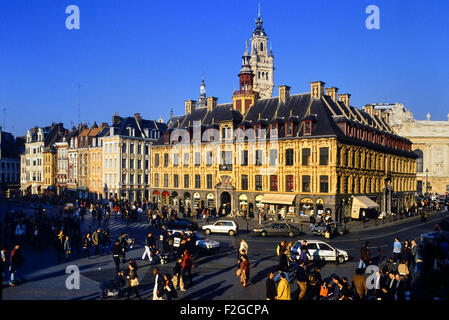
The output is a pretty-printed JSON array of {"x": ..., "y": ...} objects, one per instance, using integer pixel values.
[
  {"x": 203, "y": 245},
  {"x": 181, "y": 224},
  {"x": 319, "y": 251},
  {"x": 337, "y": 228},
  {"x": 277, "y": 229},
  {"x": 221, "y": 226}
]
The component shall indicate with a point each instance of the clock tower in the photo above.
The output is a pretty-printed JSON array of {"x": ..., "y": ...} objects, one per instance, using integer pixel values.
[{"x": 262, "y": 63}]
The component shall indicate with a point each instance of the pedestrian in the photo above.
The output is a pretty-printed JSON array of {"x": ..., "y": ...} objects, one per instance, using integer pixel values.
[
  {"x": 400, "y": 287},
  {"x": 336, "y": 287},
  {"x": 60, "y": 238},
  {"x": 4, "y": 263},
  {"x": 406, "y": 251},
  {"x": 150, "y": 244},
  {"x": 283, "y": 290},
  {"x": 304, "y": 252},
  {"x": 243, "y": 246},
  {"x": 412, "y": 258},
  {"x": 15, "y": 263},
  {"x": 116, "y": 251},
  {"x": 365, "y": 257},
  {"x": 158, "y": 289},
  {"x": 67, "y": 248},
  {"x": 177, "y": 275},
  {"x": 313, "y": 285},
  {"x": 87, "y": 243},
  {"x": 301, "y": 279},
  {"x": 169, "y": 289},
  {"x": 123, "y": 246},
  {"x": 133, "y": 280},
  {"x": 244, "y": 269},
  {"x": 96, "y": 241},
  {"x": 397, "y": 248},
  {"x": 187, "y": 266},
  {"x": 271, "y": 287},
  {"x": 105, "y": 240},
  {"x": 359, "y": 284}
]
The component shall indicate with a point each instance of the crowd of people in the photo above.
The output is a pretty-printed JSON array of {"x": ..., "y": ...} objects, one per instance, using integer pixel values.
[
  {"x": 394, "y": 281},
  {"x": 401, "y": 276}
]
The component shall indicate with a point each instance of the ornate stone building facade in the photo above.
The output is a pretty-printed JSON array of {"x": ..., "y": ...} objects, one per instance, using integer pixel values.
[
  {"x": 430, "y": 143},
  {"x": 308, "y": 153}
]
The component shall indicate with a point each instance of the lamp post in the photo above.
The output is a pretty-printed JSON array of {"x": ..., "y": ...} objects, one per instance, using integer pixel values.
[{"x": 427, "y": 182}]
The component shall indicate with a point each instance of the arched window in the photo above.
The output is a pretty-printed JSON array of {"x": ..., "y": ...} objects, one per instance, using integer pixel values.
[
  {"x": 261, "y": 46},
  {"x": 266, "y": 75},
  {"x": 259, "y": 74},
  {"x": 419, "y": 161}
]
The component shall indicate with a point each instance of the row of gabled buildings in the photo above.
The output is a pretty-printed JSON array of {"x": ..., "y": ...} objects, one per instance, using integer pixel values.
[{"x": 98, "y": 161}]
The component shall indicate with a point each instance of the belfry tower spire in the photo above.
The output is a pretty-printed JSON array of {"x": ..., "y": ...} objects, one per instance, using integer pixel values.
[{"x": 262, "y": 62}]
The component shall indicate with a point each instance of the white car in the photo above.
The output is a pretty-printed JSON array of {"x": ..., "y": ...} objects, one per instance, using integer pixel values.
[
  {"x": 204, "y": 245},
  {"x": 320, "y": 250},
  {"x": 221, "y": 226}
]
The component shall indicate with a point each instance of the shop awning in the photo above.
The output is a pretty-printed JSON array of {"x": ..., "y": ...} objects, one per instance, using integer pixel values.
[
  {"x": 365, "y": 202},
  {"x": 278, "y": 198}
]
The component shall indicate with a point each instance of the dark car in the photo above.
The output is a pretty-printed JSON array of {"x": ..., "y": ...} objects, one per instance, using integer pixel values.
[
  {"x": 277, "y": 229},
  {"x": 181, "y": 224}
]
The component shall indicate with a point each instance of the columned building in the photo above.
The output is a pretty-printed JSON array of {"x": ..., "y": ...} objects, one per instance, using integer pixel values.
[{"x": 430, "y": 140}]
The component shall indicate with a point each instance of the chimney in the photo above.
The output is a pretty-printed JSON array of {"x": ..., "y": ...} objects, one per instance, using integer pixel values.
[
  {"x": 369, "y": 109},
  {"x": 317, "y": 89},
  {"x": 345, "y": 99},
  {"x": 284, "y": 93},
  {"x": 115, "y": 118},
  {"x": 378, "y": 113},
  {"x": 211, "y": 103},
  {"x": 138, "y": 117},
  {"x": 190, "y": 106},
  {"x": 333, "y": 93}
]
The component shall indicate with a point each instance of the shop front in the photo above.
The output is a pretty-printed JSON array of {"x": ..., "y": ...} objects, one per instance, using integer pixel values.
[
  {"x": 187, "y": 200},
  {"x": 165, "y": 198},
  {"x": 243, "y": 203},
  {"x": 280, "y": 206},
  {"x": 175, "y": 199},
  {"x": 156, "y": 197},
  {"x": 196, "y": 200},
  {"x": 210, "y": 200},
  {"x": 306, "y": 206}
]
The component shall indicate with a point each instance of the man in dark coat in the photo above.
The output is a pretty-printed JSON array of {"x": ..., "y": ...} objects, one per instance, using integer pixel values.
[
  {"x": 271, "y": 287},
  {"x": 116, "y": 252}
]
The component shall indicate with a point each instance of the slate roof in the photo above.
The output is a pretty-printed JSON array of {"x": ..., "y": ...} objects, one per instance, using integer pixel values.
[
  {"x": 325, "y": 114},
  {"x": 121, "y": 127}
]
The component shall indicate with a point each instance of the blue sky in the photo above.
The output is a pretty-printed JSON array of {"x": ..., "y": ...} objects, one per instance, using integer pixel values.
[{"x": 147, "y": 56}]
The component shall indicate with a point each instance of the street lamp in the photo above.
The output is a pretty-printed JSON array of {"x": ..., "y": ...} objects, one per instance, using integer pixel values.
[{"x": 427, "y": 182}]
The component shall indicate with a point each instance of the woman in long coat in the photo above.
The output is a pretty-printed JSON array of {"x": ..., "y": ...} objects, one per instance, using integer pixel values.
[{"x": 244, "y": 267}]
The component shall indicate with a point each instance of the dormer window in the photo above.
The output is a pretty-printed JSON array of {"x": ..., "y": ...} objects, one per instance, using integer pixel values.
[
  {"x": 307, "y": 127},
  {"x": 241, "y": 132},
  {"x": 289, "y": 129},
  {"x": 274, "y": 129},
  {"x": 166, "y": 138}
]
